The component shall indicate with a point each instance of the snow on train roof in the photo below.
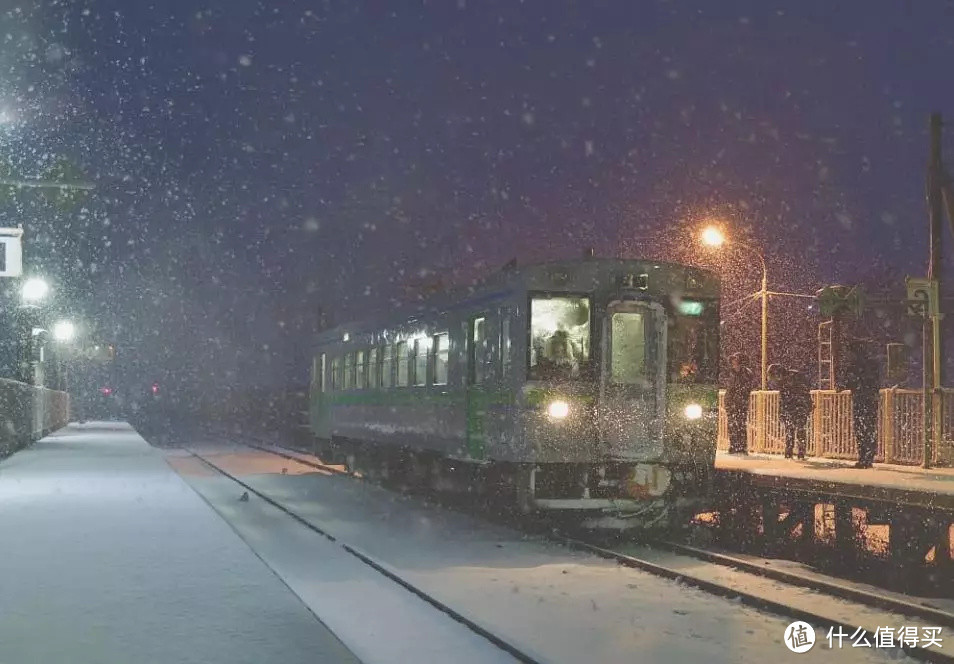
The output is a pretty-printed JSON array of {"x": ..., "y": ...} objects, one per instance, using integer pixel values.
[{"x": 441, "y": 300}]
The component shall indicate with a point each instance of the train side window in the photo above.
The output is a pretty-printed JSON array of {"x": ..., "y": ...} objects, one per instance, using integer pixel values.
[
  {"x": 401, "y": 350},
  {"x": 420, "y": 362},
  {"x": 318, "y": 373},
  {"x": 505, "y": 344},
  {"x": 359, "y": 368},
  {"x": 478, "y": 351},
  {"x": 387, "y": 366},
  {"x": 349, "y": 371},
  {"x": 374, "y": 368},
  {"x": 335, "y": 373},
  {"x": 441, "y": 348}
]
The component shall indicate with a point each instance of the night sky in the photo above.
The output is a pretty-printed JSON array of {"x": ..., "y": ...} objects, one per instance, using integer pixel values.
[{"x": 257, "y": 161}]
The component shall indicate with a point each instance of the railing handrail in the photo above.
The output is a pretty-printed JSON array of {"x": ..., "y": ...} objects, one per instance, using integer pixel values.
[{"x": 831, "y": 427}]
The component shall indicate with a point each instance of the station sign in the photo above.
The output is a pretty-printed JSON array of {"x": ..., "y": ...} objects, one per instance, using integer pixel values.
[
  {"x": 691, "y": 307},
  {"x": 922, "y": 296}
]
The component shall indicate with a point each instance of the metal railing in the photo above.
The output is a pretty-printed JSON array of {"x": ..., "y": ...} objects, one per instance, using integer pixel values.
[{"x": 830, "y": 429}]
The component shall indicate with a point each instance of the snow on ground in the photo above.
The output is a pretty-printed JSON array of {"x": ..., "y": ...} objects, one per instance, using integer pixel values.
[
  {"x": 889, "y": 476},
  {"x": 110, "y": 558},
  {"x": 377, "y": 619},
  {"x": 562, "y": 605}
]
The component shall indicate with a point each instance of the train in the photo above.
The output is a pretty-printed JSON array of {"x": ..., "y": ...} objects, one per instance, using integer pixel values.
[{"x": 581, "y": 387}]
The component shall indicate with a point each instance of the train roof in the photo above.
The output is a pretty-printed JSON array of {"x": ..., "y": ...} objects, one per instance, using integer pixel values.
[{"x": 507, "y": 275}]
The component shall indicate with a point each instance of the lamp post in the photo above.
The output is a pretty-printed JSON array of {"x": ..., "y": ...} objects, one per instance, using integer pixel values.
[
  {"x": 33, "y": 291},
  {"x": 713, "y": 237},
  {"x": 63, "y": 332}
]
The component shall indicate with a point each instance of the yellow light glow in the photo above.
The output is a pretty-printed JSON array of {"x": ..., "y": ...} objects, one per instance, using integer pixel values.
[
  {"x": 558, "y": 409},
  {"x": 712, "y": 237}
]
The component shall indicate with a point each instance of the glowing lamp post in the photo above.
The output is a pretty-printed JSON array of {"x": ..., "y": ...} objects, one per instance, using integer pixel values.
[
  {"x": 713, "y": 237},
  {"x": 64, "y": 331},
  {"x": 32, "y": 293},
  {"x": 34, "y": 290}
]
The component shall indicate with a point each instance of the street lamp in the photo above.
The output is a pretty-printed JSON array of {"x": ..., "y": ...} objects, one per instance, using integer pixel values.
[
  {"x": 34, "y": 290},
  {"x": 63, "y": 331},
  {"x": 712, "y": 236}
]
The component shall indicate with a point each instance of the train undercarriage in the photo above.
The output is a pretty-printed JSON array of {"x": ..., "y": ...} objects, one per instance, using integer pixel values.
[{"x": 613, "y": 495}]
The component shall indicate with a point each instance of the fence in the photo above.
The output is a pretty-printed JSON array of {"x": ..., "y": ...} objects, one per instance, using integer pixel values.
[
  {"x": 830, "y": 430},
  {"x": 28, "y": 413}
]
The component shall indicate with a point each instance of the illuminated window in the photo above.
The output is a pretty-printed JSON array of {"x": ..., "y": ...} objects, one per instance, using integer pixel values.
[
  {"x": 401, "y": 351},
  {"x": 479, "y": 351},
  {"x": 420, "y": 362},
  {"x": 440, "y": 350},
  {"x": 318, "y": 374},
  {"x": 349, "y": 371},
  {"x": 559, "y": 337},
  {"x": 359, "y": 369},
  {"x": 387, "y": 366},
  {"x": 335, "y": 373},
  {"x": 628, "y": 357},
  {"x": 374, "y": 368},
  {"x": 505, "y": 344}
]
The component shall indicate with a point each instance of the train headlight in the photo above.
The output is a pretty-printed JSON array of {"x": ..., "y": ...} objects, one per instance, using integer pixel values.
[
  {"x": 558, "y": 409},
  {"x": 693, "y": 411}
]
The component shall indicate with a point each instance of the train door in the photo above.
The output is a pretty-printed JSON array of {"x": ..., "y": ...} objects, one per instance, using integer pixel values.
[
  {"x": 632, "y": 383},
  {"x": 476, "y": 386}
]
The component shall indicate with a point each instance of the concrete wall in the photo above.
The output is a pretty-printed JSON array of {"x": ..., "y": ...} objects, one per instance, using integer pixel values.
[{"x": 28, "y": 413}]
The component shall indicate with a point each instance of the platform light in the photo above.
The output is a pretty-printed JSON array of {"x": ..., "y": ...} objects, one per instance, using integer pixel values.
[
  {"x": 693, "y": 411},
  {"x": 558, "y": 409},
  {"x": 34, "y": 290},
  {"x": 712, "y": 237},
  {"x": 64, "y": 331}
]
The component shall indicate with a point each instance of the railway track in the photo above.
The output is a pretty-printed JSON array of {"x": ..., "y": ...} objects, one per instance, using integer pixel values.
[
  {"x": 377, "y": 565},
  {"x": 677, "y": 563}
]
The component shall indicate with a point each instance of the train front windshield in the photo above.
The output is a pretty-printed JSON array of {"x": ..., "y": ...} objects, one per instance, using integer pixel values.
[{"x": 559, "y": 337}]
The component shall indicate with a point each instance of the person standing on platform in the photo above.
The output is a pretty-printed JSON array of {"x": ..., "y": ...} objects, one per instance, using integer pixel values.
[
  {"x": 861, "y": 377},
  {"x": 737, "y": 391},
  {"x": 795, "y": 405}
]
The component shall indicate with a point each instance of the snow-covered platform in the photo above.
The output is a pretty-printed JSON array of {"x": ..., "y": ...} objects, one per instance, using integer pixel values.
[
  {"x": 108, "y": 556},
  {"x": 904, "y": 485}
]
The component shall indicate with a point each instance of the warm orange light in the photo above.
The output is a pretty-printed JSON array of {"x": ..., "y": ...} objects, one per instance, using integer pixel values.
[{"x": 712, "y": 237}]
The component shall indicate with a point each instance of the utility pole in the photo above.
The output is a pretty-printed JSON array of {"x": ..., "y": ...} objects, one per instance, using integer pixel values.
[{"x": 931, "y": 332}]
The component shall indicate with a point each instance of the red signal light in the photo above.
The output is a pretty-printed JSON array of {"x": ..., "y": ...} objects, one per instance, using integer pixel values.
[
  {"x": 106, "y": 391},
  {"x": 155, "y": 388}
]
